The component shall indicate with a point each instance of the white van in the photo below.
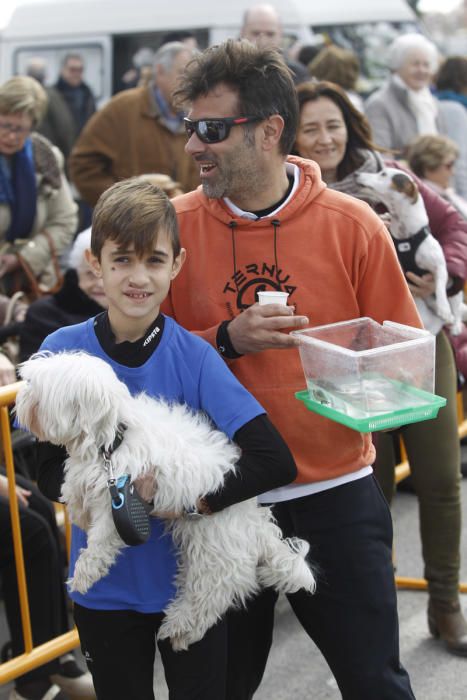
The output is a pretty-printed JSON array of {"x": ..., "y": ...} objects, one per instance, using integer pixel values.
[{"x": 107, "y": 33}]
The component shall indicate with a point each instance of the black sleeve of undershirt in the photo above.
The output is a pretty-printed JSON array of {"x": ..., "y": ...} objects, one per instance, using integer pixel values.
[
  {"x": 50, "y": 469},
  {"x": 266, "y": 463}
]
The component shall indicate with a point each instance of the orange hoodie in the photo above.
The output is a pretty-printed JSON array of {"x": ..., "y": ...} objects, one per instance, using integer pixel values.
[{"x": 337, "y": 261}]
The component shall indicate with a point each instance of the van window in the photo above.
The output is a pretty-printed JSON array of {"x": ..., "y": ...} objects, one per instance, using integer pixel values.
[
  {"x": 92, "y": 55},
  {"x": 125, "y": 46}
]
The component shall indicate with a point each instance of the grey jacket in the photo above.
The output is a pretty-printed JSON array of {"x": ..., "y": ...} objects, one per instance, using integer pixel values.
[{"x": 394, "y": 125}]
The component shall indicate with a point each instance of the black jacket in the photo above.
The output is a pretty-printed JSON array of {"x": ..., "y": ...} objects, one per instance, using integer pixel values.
[{"x": 68, "y": 306}]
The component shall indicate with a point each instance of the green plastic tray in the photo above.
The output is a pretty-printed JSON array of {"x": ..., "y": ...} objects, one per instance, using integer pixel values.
[{"x": 381, "y": 421}]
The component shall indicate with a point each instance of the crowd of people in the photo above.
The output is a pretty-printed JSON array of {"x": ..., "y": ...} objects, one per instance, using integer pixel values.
[{"x": 260, "y": 150}]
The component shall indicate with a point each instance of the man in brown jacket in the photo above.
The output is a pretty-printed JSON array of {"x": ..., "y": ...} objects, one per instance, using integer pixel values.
[{"x": 138, "y": 131}]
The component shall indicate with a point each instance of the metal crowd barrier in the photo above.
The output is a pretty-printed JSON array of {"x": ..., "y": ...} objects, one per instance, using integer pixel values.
[
  {"x": 32, "y": 656},
  {"x": 403, "y": 471}
]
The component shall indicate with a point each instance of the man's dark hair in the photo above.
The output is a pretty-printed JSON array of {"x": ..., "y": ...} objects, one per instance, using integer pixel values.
[
  {"x": 452, "y": 75},
  {"x": 259, "y": 76},
  {"x": 308, "y": 52}
]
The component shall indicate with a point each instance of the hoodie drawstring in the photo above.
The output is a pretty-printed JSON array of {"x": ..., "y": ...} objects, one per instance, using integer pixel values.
[
  {"x": 276, "y": 223},
  {"x": 233, "y": 225}
]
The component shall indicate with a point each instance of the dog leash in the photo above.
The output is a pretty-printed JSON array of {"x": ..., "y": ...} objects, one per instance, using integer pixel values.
[
  {"x": 107, "y": 454},
  {"x": 130, "y": 512}
]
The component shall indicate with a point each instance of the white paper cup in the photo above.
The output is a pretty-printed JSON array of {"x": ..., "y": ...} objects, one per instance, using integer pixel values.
[{"x": 273, "y": 298}]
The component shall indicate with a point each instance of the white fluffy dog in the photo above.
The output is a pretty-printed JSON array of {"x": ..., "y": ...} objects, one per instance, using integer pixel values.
[
  {"x": 399, "y": 193},
  {"x": 76, "y": 400}
]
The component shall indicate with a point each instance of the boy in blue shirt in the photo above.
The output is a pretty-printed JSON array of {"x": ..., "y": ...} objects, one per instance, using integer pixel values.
[{"x": 136, "y": 251}]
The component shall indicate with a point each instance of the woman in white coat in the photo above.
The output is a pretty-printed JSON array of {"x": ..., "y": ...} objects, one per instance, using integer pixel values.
[{"x": 404, "y": 107}]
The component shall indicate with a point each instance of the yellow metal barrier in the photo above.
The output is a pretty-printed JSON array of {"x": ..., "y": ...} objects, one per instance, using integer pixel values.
[
  {"x": 402, "y": 471},
  {"x": 36, "y": 656},
  {"x": 32, "y": 656}
]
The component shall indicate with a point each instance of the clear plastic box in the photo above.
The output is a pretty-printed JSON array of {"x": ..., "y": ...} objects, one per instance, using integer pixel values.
[{"x": 369, "y": 376}]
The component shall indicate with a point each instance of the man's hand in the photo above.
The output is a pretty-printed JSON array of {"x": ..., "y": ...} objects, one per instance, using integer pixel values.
[
  {"x": 146, "y": 487},
  {"x": 201, "y": 507},
  {"x": 261, "y": 328},
  {"x": 423, "y": 286}
]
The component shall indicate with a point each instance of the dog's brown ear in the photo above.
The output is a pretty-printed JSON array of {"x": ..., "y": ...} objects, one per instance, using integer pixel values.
[{"x": 403, "y": 183}]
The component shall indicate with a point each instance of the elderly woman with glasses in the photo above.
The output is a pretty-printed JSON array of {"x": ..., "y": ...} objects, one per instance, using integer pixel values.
[
  {"x": 404, "y": 107},
  {"x": 37, "y": 213}
]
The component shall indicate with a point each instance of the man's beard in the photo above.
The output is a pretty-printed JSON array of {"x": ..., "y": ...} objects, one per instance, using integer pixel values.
[
  {"x": 236, "y": 176},
  {"x": 214, "y": 190}
]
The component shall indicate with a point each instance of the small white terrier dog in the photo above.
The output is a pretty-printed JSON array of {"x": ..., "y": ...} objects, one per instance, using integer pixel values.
[
  {"x": 76, "y": 400},
  {"x": 399, "y": 193}
]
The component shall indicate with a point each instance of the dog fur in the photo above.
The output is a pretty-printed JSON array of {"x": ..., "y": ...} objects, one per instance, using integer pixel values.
[
  {"x": 76, "y": 400},
  {"x": 399, "y": 193}
]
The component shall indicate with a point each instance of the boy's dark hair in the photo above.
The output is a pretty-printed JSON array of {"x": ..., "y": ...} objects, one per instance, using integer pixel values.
[
  {"x": 132, "y": 213},
  {"x": 260, "y": 77}
]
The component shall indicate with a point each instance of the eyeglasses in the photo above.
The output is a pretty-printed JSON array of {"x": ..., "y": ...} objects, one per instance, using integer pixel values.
[
  {"x": 9, "y": 128},
  {"x": 215, "y": 130}
]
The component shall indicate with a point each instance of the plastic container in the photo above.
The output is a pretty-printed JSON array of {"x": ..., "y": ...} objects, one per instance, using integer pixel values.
[
  {"x": 273, "y": 298},
  {"x": 369, "y": 376}
]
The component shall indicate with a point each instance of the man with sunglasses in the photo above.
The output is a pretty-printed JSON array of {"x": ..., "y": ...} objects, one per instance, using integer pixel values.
[
  {"x": 265, "y": 221},
  {"x": 138, "y": 131}
]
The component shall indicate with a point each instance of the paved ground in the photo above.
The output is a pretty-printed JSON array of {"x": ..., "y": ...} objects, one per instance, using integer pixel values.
[{"x": 296, "y": 671}]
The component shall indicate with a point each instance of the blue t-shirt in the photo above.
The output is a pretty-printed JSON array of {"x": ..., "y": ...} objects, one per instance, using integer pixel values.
[{"x": 186, "y": 369}]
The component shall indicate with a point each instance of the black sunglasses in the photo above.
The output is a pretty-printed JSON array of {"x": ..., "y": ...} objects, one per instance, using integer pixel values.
[{"x": 215, "y": 130}]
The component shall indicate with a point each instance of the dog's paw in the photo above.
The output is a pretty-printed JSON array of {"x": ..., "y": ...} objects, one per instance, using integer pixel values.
[
  {"x": 445, "y": 313},
  {"x": 178, "y": 641},
  {"x": 180, "y": 633},
  {"x": 456, "y": 328},
  {"x": 79, "y": 584}
]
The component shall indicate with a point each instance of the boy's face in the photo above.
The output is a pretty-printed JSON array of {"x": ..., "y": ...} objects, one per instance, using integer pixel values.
[{"x": 136, "y": 286}]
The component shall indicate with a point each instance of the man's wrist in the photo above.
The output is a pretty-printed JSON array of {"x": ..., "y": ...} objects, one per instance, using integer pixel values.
[
  {"x": 224, "y": 344},
  {"x": 199, "y": 510}
]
